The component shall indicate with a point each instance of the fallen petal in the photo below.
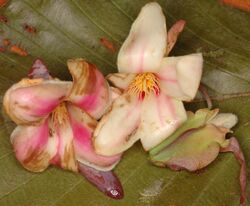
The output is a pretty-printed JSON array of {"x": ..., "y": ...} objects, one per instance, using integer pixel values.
[
  {"x": 33, "y": 147},
  {"x": 90, "y": 91},
  {"x": 113, "y": 133},
  {"x": 234, "y": 147},
  {"x": 31, "y": 100},
  {"x": 175, "y": 79},
  {"x": 83, "y": 126},
  {"x": 145, "y": 45},
  {"x": 173, "y": 34},
  {"x": 107, "y": 182}
]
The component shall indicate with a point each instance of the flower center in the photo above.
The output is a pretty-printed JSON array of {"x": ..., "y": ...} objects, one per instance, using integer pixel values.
[
  {"x": 144, "y": 84},
  {"x": 60, "y": 115}
]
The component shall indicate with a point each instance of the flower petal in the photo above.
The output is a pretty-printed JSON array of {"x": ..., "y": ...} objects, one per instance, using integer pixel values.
[
  {"x": 60, "y": 130},
  {"x": 180, "y": 76},
  {"x": 83, "y": 126},
  {"x": 33, "y": 147},
  {"x": 113, "y": 132},
  {"x": 90, "y": 90},
  {"x": 161, "y": 116},
  {"x": 31, "y": 100},
  {"x": 120, "y": 80},
  {"x": 145, "y": 45}
]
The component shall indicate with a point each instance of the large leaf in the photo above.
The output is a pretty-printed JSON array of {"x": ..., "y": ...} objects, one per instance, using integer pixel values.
[{"x": 72, "y": 28}]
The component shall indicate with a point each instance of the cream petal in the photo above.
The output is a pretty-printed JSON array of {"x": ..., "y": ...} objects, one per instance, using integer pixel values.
[
  {"x": 145, "y": 45},
  {"x": 31, "y": 100},
  {"x": 120, "y": 80},
  {"x": 113, "y": 133},
  {"x": 90, "y": 90},
  {"x": 83, "y": 126},
  {"x": 180, "y": 77},
  {"x": 33, "y": 147},
  {"x": 161, "y": 116}
]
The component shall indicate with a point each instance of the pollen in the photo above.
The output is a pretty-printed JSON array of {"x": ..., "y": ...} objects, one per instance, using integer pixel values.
[{"x": 144, "y": 84}]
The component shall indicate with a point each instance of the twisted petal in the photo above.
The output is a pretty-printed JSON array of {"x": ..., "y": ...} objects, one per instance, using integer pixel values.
[
  {"x": 180, "y": 76},
  {"x": 145, "y": 45},
  {"x": 83, "y": 126},
  {"x": 161, "y": 116},
  {"x": 30, "y": 100},
  {"x": 33, "y": 147},
  {"x": 90, "y": 90},
  {"x": 113, "y": 133}
]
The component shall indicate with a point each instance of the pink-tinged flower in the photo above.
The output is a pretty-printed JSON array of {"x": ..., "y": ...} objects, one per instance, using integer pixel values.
[
  {"x": 56, "y": 119},
  {"x": 154, "y": 86}
]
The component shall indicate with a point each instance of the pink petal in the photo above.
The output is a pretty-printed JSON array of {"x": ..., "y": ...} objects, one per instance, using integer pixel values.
[
  {"x": 90, "y": 90},
  {"x": 83, "y": 126},
  {"x": 61, "y": 131},
  {"x": 33, "y": 147},
  {"x": 113, "y": 133},
  {"x": 120, "y": 80},
  {"x": 180, "y": 76},
  {"x": 173, "y": 34},
  {"x": 31, "y": 100},
  {"x": 161, "y": 116},
  {"x": 235, "y": 148},
  {"x": 145, "y": 45}
]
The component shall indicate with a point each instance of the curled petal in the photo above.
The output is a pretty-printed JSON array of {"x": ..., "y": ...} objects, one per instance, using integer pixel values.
[
  {"x": 33, "y": 147},
  {"x": 193, "y": 150},
  {"x": 173, "y": 34},
  {"x": 113, "y": 133},
  {"x": 180, "y": 77},
  {"x": 90, "y": 90},
  {"x": 120, "y": 80},
  {"x": 161, "y": 116},
  {"x": 145, "y": 45},
  {"x": 83, "y": 126},
  {"x": 31, "y": 100}
]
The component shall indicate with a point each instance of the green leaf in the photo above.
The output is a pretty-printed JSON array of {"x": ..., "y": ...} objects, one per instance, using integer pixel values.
[{"x": 72, "y": 28}]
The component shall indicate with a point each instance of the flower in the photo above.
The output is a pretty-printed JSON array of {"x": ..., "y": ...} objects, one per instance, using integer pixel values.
[
  {"x": 154, "y": 86},
  {"x": 198, "y": 142},
  {"x": 56, "y": 118}
]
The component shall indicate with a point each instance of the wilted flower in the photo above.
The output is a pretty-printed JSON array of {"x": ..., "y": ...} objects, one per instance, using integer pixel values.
[{"x": 56, "y": 118}]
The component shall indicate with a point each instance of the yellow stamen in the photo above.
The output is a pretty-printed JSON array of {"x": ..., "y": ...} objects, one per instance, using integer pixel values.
[{"x": 143, "y": 84}]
